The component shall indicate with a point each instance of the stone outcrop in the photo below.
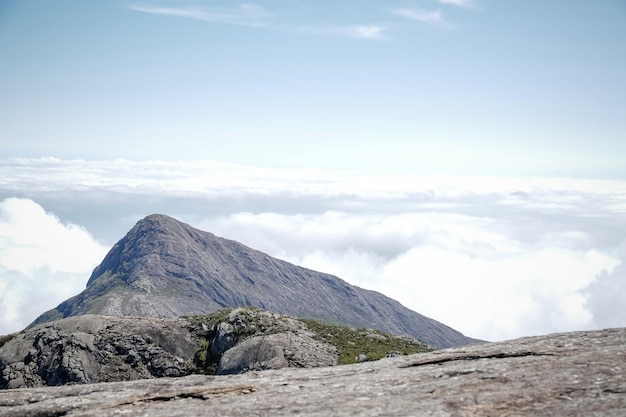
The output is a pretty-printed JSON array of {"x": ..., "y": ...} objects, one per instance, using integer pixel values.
[
  {"x": 166, "y": 268},
  {"x": 277, "y": 351},
  {"x": 250, "y": 339},
  {"x": 89, "y": 348},
  {"x": 570, "y": 374}
]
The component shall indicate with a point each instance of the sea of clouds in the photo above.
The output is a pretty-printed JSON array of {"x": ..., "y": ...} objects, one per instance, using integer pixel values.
[{"x": 495, "y": 258}]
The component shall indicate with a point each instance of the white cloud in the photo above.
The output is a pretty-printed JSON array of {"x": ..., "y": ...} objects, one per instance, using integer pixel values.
[
  {"x": 371, "y": 32},
  {"x": 492, "y": 257},
  {"x": 434, "y": 17},
  {"x": 606, "y": 296},
  {"x": 499, "y": 296},
  {"x": 460, "y": 3},
  {"x": 209, "y": 178},
  {"x": 254, "y": 15},
  {"x": 364, "y": 31},
  {"x": 246, "y": 14},
  {"x": 170, "y": 11},
  {"x": 457, "y": 269},
  {"x": 42, "y": 261}
]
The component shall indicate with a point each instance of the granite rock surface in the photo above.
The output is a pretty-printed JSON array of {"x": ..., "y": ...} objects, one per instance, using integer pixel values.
[
  {"x": 90, "y": 348},
  {"x": 569, "y": 374}
]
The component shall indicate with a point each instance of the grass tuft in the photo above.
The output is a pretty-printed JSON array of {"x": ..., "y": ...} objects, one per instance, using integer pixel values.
[{"x": 351, "y": 343}]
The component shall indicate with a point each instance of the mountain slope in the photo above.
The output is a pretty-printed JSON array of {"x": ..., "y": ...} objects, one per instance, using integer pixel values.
[{"x": 166, "y": 268}]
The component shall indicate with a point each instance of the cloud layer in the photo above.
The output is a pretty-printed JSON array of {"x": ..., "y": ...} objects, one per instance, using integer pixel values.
[
  {"x": 463, "y": 270},
  {"x": 493, "y": 257},
  {"x": 42, "y": 261}
]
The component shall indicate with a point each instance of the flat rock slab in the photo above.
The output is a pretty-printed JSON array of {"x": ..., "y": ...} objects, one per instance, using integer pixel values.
[{"x": 569, "y": 374}]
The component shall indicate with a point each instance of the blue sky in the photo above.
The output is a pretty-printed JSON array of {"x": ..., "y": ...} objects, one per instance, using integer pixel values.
[
  {"x": 481, "y": 87},
  {"x": 465, "y": 157}
]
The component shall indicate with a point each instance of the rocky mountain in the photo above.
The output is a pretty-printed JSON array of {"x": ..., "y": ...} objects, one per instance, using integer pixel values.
[
  {"x": 90, "y": 348},
  {"x": 568, "y": 374},
  {"x": 166, "y": 268}
]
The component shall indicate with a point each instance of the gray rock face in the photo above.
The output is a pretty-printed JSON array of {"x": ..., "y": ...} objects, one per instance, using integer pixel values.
[
  {"x": 165, "y": 268},
  {"x": 570, "y": 374},
  {"x": 276, "y": 351},
  {"x": 258, "y": 353},
  {"x": 89, "y": 348},
  {"x": 251, "y": 339},
  {"x": 225, "y": 338},
  {"x": 92, "y": 348}
]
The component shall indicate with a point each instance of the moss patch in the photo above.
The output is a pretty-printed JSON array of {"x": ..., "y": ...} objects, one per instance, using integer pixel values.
[
  {"x": 373, "y": 344},
  {"x": 209, "y": 320}
]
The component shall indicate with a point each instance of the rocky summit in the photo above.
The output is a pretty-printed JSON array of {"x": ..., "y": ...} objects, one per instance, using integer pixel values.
[
  {"x": 166, "y": 268},
  {"x": 90, "y": 348},
  {"x": 569, "y": 374}
]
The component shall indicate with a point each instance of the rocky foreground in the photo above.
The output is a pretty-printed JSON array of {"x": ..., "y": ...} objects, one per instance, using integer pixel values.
[
  {"x": 91, "y": 348},
  {"x": 569, "y": 374}
]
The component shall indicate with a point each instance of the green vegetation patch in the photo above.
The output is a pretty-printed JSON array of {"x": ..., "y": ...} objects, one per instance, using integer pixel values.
[
  {"x": 204, "y": 360},
  {"x": 367, "y": 343},
  {"x": 209, "y": 320},
  {"x": 248, "y": 322},
  {"x": 353, "y": 345}
]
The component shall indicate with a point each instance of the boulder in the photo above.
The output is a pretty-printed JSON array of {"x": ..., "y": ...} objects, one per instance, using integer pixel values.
[
  {"x": 276, "y": 351},
  {"x": 225, "y": 338},
  {"x": 254, "y": 354}
]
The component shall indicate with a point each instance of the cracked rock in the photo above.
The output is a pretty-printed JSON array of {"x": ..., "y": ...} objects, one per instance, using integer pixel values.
[{"x": 89, "y": 349}]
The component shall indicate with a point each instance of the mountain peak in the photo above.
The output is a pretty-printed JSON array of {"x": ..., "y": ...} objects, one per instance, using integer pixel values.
[
  {"x": 166, "y": 268},
  {"x": 157, "y": 217},
  {"x": 157, "y": 220},
  {"x": 154, "y": 238}
]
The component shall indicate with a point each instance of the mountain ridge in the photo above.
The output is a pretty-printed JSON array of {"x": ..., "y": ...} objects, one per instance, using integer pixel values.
[{"x": 165, "y": 268}]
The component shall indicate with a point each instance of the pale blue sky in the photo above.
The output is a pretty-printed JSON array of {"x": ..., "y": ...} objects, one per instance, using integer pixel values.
[
  {"x": 481, "y": 87},
  {"x": 259, "y": 110}
]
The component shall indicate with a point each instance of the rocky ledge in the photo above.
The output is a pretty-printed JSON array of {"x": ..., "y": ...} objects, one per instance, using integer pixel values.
[
  {"x": 569, "y": 374},
  {"x": 91, "y": 348}
]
